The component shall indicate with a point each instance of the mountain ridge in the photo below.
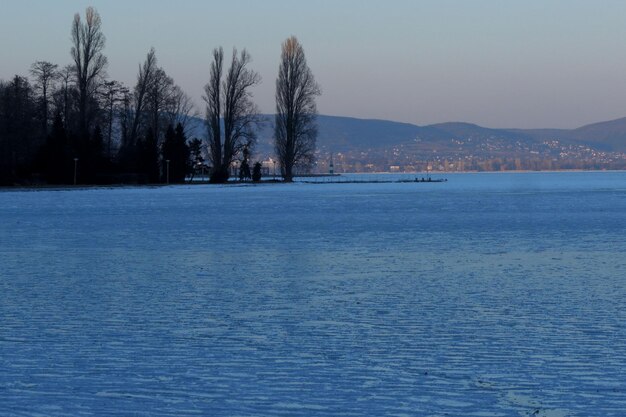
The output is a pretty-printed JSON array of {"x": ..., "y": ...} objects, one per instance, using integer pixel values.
[{"x": 341, "y": 131}]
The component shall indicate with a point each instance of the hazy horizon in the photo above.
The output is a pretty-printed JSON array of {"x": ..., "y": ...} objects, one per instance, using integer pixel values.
[{"x": 535, "y": 64}]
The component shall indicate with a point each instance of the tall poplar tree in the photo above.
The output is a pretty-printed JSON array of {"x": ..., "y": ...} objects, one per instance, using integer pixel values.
[
  {"x": 295, "y": 128},
  {"x": 89, "y": 65}
]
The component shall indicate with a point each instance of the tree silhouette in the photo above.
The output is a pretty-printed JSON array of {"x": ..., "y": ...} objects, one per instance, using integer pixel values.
[
  {"x": 295, "y": 128},
  {"x": 19, "y": 138},
  {"x": 232, "y": 117},
  {"x": 55, "y": 161},
  {"x": 89, "y": 64},
  {"x": 176, "y": 150},
  {"x": 256, "y": 172},
  {"x": 148, "y": 157},
  {"x": 45, "y": 73}
]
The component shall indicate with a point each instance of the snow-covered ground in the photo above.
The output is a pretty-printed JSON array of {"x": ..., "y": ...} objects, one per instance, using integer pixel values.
[{"x": 488, "y": 295}]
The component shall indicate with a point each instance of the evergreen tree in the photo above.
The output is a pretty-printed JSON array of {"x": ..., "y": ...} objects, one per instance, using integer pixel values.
[
  {"x": 95, "y": 159},
  {"x": 19, "y": 136},
  {"x": 195, "y": 155},
  {"x": 55, "y": 160},
  {"x": 176, "y": 150},
  {"x": 148, "y": 157}
]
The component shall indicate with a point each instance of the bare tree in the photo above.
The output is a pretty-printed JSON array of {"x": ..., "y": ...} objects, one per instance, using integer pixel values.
[
  {"x": 230, "y": 101},
  {"x": 89, "y": 62},
  {"x": 44, "y": 73},
  {"x": 64, "y": 94},
  {"x": 144, "y": 81},
  {"x": 112, "y": 95},
  {"x": 180, "y": 109},
  {"x": 126, "y": 116},
  {"x": 156, "y": 103},
  {"x": 295, "y": 129},
  {"x": 213, "y": 99},
  {"x": 159, "y": 96}
]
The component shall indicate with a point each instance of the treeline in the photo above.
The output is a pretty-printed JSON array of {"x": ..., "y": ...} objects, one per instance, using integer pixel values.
[
  {"x": 61, "y": 125},
  {"x": 72, "y": 124}
]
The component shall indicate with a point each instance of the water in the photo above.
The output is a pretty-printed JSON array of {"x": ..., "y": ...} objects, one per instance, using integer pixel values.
[{"x": 488, "y": 295}]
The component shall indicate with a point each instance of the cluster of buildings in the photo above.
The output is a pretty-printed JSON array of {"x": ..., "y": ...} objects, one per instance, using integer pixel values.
[{"x": 486, "y": 156}]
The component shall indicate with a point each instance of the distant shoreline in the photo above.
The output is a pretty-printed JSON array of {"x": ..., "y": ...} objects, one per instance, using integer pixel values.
[{"x": 411, "y": 177}]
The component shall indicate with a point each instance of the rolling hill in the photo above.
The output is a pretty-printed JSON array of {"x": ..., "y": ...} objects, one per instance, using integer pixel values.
[
  {"x": 601, "y": 145},
  {"x": 346, "y": 133}
]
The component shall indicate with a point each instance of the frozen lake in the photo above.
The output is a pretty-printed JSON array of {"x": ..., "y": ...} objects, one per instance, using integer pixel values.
[{"x": 489, "y": 295}]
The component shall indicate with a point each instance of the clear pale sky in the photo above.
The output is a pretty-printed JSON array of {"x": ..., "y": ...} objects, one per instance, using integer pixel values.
[{"x": 497, "y": 63}]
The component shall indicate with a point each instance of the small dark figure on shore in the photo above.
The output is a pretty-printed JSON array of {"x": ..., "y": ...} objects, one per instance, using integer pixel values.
[
  {"x": 244, "y": 171},
  {"x": 256, "y": 172},
  {"x": 244, "y": 168}
]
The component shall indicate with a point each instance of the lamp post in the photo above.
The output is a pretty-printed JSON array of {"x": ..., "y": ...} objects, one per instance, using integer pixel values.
[
  {"x": 75, "y": 169},
  {"x": 274, "y": 162},
  {"x": 167, "y": 171}
]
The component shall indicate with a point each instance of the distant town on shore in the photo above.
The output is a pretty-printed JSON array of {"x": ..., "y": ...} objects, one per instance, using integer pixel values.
[{"x": 364, "y": 145}]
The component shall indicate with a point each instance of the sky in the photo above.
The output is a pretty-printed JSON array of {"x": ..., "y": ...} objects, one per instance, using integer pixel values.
[{"x": 496, "y": 63}]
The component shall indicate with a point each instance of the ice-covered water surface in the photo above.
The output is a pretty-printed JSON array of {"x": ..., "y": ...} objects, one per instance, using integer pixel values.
[{"x": 488, "y": 295}]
